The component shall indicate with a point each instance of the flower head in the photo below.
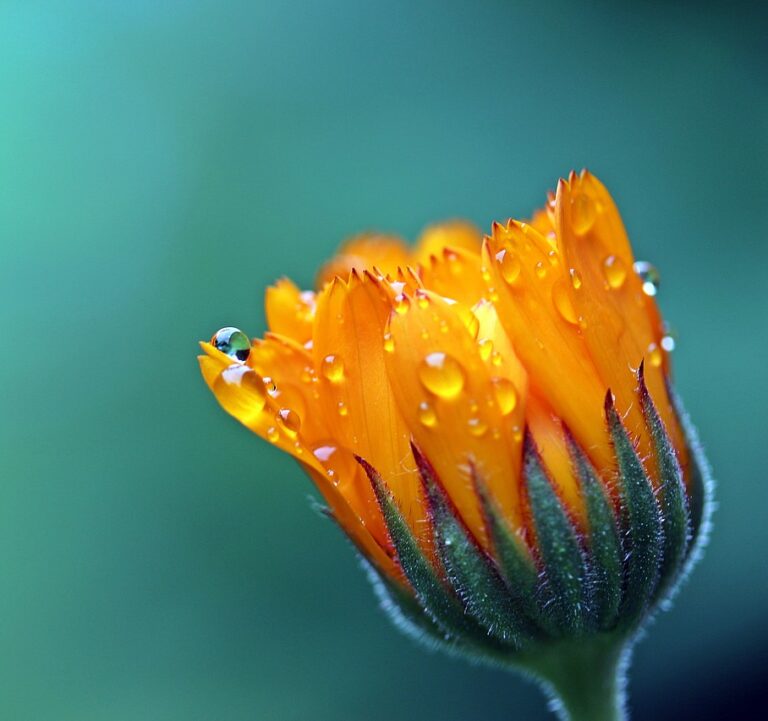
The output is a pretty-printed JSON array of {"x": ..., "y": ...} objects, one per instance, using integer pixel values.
[{"x": 489, "y": 419}]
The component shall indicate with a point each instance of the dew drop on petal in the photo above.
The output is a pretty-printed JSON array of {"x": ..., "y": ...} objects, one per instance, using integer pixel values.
[
  {"x": 427, "y": 415},
  {"x": 575, "y": 278},
  {"x": 655, "y": 356},
  {"x": 273, "y": 436},
  {"x": 233, "y": 342},
  {"x": 442, "y": 375},
  {"x": 583, "y": 214},
  {"x": 342, "y": 408},
  {"x": 290, "y": 421},
  {"x": 486, "y": 348},
  {"x": 649, "y": 277},
  {"x": 251, "y": 391},
  {"x": 517, "y": 433},
  {"x": 509, "y": 265},
  {"x": 506, "y": 395},
  {"x": 402, "y": 304},
  {"x": 477, "y": 427},
  {"x": 333, "y": 368},
  {"x": 540, "y": 270},
  {"x": 389, "y": 343},
  {"x": 422, "y": 299},
  {"x": 561, "y": 298},
  {"x": 615, "y": 272}
]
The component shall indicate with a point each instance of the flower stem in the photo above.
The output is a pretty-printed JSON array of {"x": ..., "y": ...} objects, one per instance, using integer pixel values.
[{"x": 585, "y": 681}]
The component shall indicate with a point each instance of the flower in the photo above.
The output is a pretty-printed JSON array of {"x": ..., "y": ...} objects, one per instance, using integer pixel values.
[{"x": 491, "y": 421}]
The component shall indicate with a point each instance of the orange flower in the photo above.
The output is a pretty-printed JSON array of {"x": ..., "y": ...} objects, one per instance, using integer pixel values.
[{"x": 489, "y": 419}]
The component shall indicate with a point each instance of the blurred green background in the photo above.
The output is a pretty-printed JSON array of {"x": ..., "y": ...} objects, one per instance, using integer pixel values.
[{"x": 161, "y": 162}]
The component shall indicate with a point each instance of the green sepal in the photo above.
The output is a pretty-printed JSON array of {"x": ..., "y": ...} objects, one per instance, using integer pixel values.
[
  {"x": 674, "y": 503},
  {"x": 513, "y": 557},
  {"x": 641, "y": 519},
  {"x": 470, "y": 571},
  {"x": 562, "y": 559},
  {"x": 440, "y": 605},
  {"x": 603, "y": 542}
]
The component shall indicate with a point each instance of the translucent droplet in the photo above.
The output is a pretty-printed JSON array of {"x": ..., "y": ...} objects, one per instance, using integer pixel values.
[
  {"x": 668, "y": 343},
  {"x": 540, "y": 270},
  {"x": 517, "y": 433},
  {"x": 442, "y": 375},
  {"x": 583, "y": 214},
  {"x": 269, "y": 384},
  {"x": 506, "y": 395},
  {"x": 575, "y": 278},
  {"x": 389, "y": 343},
  {"x": 289, "y": 420},
  {"x": 422, "y": 299},
  {"x": 655, "y": 356},
  {"x": 486, "y": 274},
  {"x": 342, "y": 408},
  {"x": 649, "y": 276},
  {"x": 427, "y": 415},
  {"x": 561, "y": 298},
  {"x": 233, "y": 342},
  {"x": 615, "y": 272},
  {"x": 496, "y": 358},
  {"x": 477, "y": 427},
  {"x": 486, "y": 348},
  {"x": 402, "y": 303},
  {"x": 552, "y": 257},
  {"x": 509, "y": 265},
  {"x": 250, "y": 393},
  {"x": 333, "y": 368},
  {"x": 273, "y": 436}
]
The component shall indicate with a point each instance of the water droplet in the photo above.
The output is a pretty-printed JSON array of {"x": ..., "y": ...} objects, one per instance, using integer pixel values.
[
  {"x": 561, "y": 298},
  {"x": 668, "y": 343},
  {"x": 269, "y": 384},
  {"x": 649, "y": 276},
  {"x": 389, "y": 343},
  {"x": 427, "y": 415},
  {"x": 289, "y": 420},
  {"x": 575, "y": 278},
  {"x": 251, "y": 391},
  {"x": 477, "y": 427},
  {"x": 509, "y": 265},
  {"x": 496, "y": 358},
  {"x": 540, "y": 270},
  {"x": 442, "y": 375},
  {"x": 273, "y": 436},
  {"x": 655, "y": 356},
  {"x": 422, "y": 299},
  {"x": 615, "y": 272},
  {"x": 486, "y": 347},
  {"x": 517, "y": 433},
  {"x": 342, "y": 408},
  {"x": 583, "y": 214},
  {"x": 552, "y": 257},
  {"x": 233, "y": 342},
  {"x": 506, "y": 395},
  {"x": 333, "y": 368},
  {"x": 402, "y": 303},
  {"x": 486, "y": 274}
]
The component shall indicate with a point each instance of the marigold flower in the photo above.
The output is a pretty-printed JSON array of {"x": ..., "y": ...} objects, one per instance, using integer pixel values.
[{"x": 491, "y": 421}]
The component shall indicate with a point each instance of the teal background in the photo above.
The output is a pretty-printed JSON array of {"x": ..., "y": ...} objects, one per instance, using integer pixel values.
[{"x": 161, "y": 163}]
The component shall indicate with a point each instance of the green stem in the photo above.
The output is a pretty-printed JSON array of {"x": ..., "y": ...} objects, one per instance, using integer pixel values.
[{"x": 585, "y": 680}]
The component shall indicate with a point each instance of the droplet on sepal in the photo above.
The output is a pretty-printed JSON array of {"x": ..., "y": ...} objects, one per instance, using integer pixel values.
[{"x": 233, "y": 342}]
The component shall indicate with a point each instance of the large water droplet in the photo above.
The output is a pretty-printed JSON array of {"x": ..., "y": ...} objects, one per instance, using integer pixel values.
[
  {"x": 506, "y": 395},
  {"x": 333, "y": 368},
  {"x": 509, "y": 265},
  {"x": 290, "y": 421},
  {"x": 561, "y": 298},
  {"x": 649, "y": 276},
  {"x": 250, "y": 393},
  {"x": 427, "y": 415},
  {"x": 583, "y": 214},
  {"x": 442, "y": 375},
  {"x": 233, "y": 342},
  {"x": 615, "y": 272}
]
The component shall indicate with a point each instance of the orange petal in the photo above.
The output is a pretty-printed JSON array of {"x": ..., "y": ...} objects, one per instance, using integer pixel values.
[
  {"x": 529, "y": 282},
  {"x": 290, "y": 310},
  {"x": 359, "y": 410},
  {"x": 444, "y": 391},
  {"x": 454, "y": 274},
  {"x": 622, "y": 325},
  {"x": 363, "y": 252}
]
